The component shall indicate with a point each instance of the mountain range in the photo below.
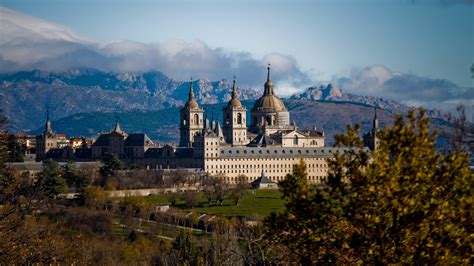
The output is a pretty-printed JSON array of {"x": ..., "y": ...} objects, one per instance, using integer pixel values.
[
  {"x": 25, "y": 95},
  {"x": 85, "y": 102}
]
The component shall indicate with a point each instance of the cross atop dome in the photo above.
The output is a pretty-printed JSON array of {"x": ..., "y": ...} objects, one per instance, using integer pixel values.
[{"x": 268, "y": 72}]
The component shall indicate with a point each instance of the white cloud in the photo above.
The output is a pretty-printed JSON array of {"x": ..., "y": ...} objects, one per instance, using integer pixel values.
[
  {"x": 30, "y": 43},
  {"x": 15, "y": 26}
]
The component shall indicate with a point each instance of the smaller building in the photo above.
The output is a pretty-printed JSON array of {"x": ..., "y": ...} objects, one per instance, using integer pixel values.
[
  {"x": 263, "y": 182},
  {"x": 125, "y": 146}
]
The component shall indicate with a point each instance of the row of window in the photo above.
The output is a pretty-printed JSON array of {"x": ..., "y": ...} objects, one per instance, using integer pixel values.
[
  {"x": 283, "y": 151},
  {"x": 314, "y": 178},
  {"x": 247, "y": 166}
]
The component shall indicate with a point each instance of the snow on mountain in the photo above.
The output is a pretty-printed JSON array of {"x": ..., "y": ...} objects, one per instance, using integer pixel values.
[{"x": 332, "y": 93}]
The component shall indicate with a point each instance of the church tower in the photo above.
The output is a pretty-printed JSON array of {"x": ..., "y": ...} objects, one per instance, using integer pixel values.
[
  {"x": 235, "y": 127},
  {"x": 191, "y": 120},
  {"x": 46, "y": 141},
  {"x": 370, "y": 138}
]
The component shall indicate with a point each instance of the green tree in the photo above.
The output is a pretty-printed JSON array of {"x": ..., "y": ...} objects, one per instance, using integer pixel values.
[
  {"x": 111, "y": 164},
  {"x": 16, "y": 150},
  {"x": 51, "y": 179},
  {"x": 405, "y": 203},
  {"x": 74, "y": 178}
]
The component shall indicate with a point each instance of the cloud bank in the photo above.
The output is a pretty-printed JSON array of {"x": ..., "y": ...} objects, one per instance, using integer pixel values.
[
  {"x": 409, "y": 89},
  {"x": 30, "y": 43}
]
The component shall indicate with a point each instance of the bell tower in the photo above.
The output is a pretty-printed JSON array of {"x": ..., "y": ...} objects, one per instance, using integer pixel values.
[
  {"x": 46, "y": 141},
  {"x": 235, "y": 126},
  {"x": 191, "y": 122}
]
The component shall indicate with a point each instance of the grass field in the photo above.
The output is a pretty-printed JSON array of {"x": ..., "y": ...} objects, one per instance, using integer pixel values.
[{"x": 255, "y": 203}]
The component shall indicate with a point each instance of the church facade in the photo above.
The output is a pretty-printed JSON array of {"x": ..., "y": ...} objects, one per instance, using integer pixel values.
[{"x": 269, "y": 144}]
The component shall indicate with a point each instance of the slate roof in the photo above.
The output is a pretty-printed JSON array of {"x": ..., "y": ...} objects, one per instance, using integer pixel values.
[
  {"x": 262, "y": 140},
  {"x": 138, "y": 139},
  {"x": 263, "y": 179},
  {"x": 102, "y": 140},
  {"x": 183, "y": 152}
]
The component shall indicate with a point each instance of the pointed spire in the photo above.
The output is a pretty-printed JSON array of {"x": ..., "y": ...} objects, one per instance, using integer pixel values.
[
  {"x": 375, "y": 124},
  {"x": 47, "y": 126},
  {"x": 269, "y": 83},
  {"x": 117, "y": 128},
  {"x": 218, "y": 131},
  {"x": 234, "y": 89},
  {"x": 234, "y": 101},
  {"x": 213, "y": 123},
  {"x": 191, "y": 92}
]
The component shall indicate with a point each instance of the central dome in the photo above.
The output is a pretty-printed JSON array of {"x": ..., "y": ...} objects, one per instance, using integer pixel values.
[{"x": 269, "y": 102}]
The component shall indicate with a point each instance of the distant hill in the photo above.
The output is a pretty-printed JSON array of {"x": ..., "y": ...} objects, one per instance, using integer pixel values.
[{"x": 162, "y": 125}]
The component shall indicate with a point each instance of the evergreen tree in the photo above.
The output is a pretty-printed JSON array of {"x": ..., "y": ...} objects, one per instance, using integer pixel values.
[
  {"x": 16, "y": 151},
  {"x": 74, "y": 178},
  {"x": 111, "y": 164},
  {"x": 51, "y": 179}
]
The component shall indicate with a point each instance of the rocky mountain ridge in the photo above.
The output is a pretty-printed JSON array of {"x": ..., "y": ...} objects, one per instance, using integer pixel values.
[{"x": 329, "y": 92}]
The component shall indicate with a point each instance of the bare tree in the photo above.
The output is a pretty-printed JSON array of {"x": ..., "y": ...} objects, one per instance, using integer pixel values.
[
  {"x": 238, "y": 191},
  {"x": 461, "y": 136},
  {"x": 208, "y": 188},
  {"x": 220, "y": 189},
  {"x": 191, "y": 198}
]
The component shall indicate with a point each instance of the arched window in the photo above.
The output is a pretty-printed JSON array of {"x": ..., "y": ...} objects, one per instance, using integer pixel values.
[
  {"x": 269, "y": 120},
  {"x": 227, "y": 118},
  {"x": 295, "y": 140},
  {"x": 196, "y": 119},
  {"x": 239, "y": 118},
  {"x": 184, "y": 119}
]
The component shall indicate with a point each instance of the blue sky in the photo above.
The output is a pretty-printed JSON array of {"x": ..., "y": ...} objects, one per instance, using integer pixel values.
[
  {"x": 326, "y": 38},
  {"x": 417, "y": 52}
]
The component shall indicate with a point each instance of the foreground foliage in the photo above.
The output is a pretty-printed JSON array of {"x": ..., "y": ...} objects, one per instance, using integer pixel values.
[{"x": 405, "y": 204}]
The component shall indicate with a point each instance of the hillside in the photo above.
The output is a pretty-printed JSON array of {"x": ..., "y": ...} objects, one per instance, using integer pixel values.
[{"x": 162, "y": 125}]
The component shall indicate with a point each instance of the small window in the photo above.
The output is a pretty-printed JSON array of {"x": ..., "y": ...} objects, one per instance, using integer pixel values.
[{"x": 239, "y": 118}]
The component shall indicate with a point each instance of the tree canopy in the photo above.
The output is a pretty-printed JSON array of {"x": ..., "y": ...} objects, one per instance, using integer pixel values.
[{"x": 403, "y": 203}]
